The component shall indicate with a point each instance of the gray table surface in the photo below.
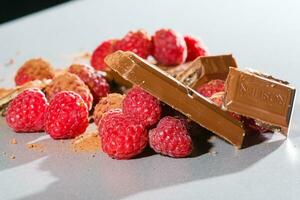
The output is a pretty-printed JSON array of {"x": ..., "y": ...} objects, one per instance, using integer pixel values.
[{"x": 261, "y": 35}]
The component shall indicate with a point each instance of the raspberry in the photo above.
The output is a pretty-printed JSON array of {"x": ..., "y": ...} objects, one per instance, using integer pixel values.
[
  {"x": 139, "y": 42},
  {"x": 122, "y": 137},
  {"x": 255, "y": 125},
  {"x": 66, "y": 116},
  {"x": 26, "y": 112},
  {"x": 69, "y": 82},
  {"x": 112, "y": 101},
  {"x": 171, "y": 138},
  {"x": 34, "y": 69},
  {"x": 169, "y": 47},
  {"x": 195, "y": 48},
  {"x": 249, "y": 123},
  {"x": 212, "y": 87},
  {"x": 93, "y": 79},
  {"x": 142, "y": 106},
  {"x": 217, "y": 98},
  {"x": 104, "y": 49}
]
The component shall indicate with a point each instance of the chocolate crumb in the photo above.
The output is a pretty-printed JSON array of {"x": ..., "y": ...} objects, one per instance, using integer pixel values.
[
  {"x": 87, "y": 142},
  {"x": 212, "y": 138},
  {"x": 10, "y": 62},
  {"x": 112, "y": 101},
  {"x": 82, "y": 56},
  {"x": 13, "y": 141},
  {"x": 35, "y": 146},
  {"x": 12, "y": 157},
  {"x": 213, "y": 152}
]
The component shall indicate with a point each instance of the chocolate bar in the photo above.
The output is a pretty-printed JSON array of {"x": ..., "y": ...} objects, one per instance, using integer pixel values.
[
  {"x": 260, "y": 97},
  {"x": 206, "y": 68},
  {"x": 177, "y": 95}
]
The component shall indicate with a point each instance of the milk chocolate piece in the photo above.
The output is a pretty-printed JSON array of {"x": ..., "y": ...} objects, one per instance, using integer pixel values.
[
  {"x": 260, "y": 97},
  {"x": 172, "y": 92},
  {"x": 206, "y": 68}
]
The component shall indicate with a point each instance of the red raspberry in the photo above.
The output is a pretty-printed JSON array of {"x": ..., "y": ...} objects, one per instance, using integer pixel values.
[
  {"x": 122, "y": 137},
  {"x": 139, "y": 42},
  {"x": 69, "y": 82},
  {"x": 142, "y": 105},
  {"x": 104, "y": 49},
  {"x": 254, "y": 125},
  {"x": 171, "y": 138},
  {"x": 195, "y": 48},
  {"x": 212, "y": 87},
  {"x": 217, "y": 98},
  {"x": 34, "y": 69},
  {"x": 26, "y": 112},
  {"x": 93, "y": 79},
  {"x": 112, "y": 101},
  {"x": 67, "y": 116},
  {"x": 169, "y": 47}
]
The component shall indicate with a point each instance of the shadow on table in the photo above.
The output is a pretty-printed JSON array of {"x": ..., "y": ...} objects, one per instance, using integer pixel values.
[
  {"x": 81, "y": 176},
  {"x": 105, "y": 178}
]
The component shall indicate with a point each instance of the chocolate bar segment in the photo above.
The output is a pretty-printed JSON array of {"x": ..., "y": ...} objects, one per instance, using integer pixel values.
[
  {"x": 172, "y": 92},
  {"x": 259, "y": 97},
  {"x": 206, "y": 68}
]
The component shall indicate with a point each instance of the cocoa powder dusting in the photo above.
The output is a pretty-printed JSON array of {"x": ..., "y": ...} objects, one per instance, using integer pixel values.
[
  {"x": 112, "y": 101},
  {"x": 35, "y": 146},
  {"x": 82, "y": 56},
  {"x": 13, "y": 141},
  {"x": 88, "y": 142},
  {"x": 10, "y": 62}
]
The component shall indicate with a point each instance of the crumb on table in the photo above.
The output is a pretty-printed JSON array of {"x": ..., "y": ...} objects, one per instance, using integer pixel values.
[{"x": 14, "y": 141}]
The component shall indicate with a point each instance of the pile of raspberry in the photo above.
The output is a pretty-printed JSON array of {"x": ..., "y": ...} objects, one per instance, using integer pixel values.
[
  {"x": 126, "y": 131},
  {"x": 166, "y": 46},
  {"x": 127, "y": 123},
  {"x": 62, "y": 108}
]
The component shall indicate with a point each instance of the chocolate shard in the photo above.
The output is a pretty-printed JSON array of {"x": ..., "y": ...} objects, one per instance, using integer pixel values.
[
  {"x": 206, "y": 68},
  {"x": 260, "y": 97},
  {"x": 172, "y": 92}
]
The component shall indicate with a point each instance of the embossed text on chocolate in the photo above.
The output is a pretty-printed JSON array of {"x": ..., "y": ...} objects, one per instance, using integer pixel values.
[{"x": 261, "y": 92}]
